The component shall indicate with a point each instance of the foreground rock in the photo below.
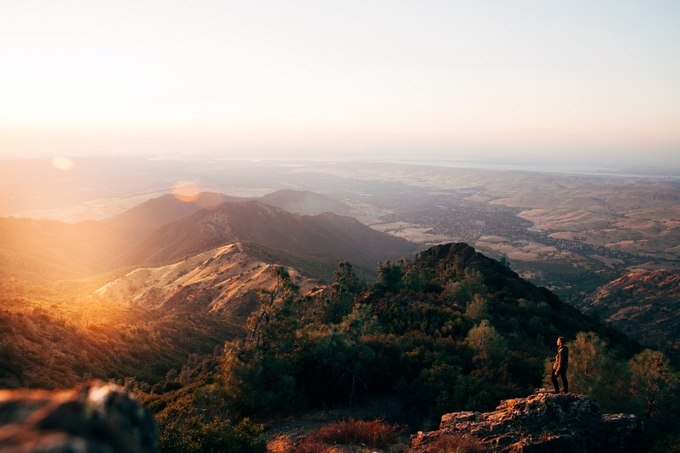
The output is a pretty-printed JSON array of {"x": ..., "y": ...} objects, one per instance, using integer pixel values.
[
  {"x": 542, "y": 422},
  {"x": 94, "y": 417}
]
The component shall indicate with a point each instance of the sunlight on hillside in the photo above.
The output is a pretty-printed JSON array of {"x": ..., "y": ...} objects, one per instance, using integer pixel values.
[
  {"x": 66, "y": 300},
  {"x": 186, "y": 191}
]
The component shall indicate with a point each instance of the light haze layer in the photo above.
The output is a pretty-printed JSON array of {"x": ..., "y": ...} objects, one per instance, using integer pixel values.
[{"x": 437, "y": 79}]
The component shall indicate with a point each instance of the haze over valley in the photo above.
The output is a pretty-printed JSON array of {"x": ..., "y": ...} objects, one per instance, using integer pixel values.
[{"x": 555, "y": 228}]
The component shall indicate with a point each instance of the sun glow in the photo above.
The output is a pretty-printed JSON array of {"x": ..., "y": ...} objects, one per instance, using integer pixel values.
[
  {"x": 268, "y": 77},
  {"x": 62, "y": 163},
  {"x": 186, "y": 191}
]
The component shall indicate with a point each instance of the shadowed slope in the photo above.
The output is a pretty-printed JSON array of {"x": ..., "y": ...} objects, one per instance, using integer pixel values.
[
  {"x": 325, "y": 235},
  {"x": 644, "y": 304},
  {"x": 304, "y": 202},
  {"x": 153, "y": 214}
]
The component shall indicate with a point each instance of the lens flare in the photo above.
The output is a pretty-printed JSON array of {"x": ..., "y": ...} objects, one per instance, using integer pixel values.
[
  {"x": 186, "y": 191},
  {"x": 62, "y": 163}
]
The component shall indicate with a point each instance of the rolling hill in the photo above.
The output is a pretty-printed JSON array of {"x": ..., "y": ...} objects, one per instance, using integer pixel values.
[{"x": 321, "y": 236}]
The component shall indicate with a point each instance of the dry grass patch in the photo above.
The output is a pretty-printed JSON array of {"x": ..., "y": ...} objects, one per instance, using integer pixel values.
[
  {"x": 452, "y": 444},
  {"x": 376, "y": 434}
]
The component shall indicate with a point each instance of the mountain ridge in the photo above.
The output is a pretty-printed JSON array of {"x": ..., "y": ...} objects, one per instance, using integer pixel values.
[
  {"x": 304, "y": 202},
  {"x": 34, "y": 248},
  {"x": 323, "y": 235},
  {"x": 152, "y": 214},
  {"x": 227, "y": 280}
]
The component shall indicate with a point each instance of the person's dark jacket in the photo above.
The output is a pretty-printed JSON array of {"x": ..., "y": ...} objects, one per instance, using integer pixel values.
[{"x": 561, "y": 360}]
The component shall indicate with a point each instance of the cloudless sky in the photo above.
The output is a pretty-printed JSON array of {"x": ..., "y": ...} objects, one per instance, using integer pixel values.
[{"x": 341, "y": 78}]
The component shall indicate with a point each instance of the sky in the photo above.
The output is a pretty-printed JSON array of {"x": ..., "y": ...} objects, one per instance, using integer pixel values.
[{"x": 438, "y": 79}]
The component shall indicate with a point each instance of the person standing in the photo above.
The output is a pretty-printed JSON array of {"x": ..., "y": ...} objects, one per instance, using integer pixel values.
[{"x": 560, "y": 365}]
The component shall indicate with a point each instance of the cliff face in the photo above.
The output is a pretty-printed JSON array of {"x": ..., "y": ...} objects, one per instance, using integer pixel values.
[
  {"x": 542, "y": 422},
  {"x": 95, "y": 417}
]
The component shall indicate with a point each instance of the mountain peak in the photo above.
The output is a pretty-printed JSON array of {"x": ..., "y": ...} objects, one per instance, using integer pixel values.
[
  {"x": 458, "y": 259},
  {"x": 322, "y": 236},
  {"x": 156, "y": 212},
  {"x": 304, "y": 202},
  {"x": 226, "y": 279}
]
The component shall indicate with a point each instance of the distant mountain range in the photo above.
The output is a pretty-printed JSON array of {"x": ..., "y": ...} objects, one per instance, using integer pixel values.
[
  {"x": 156, "y": 212},
  {"x": 304, "y": 202},
  {"x": 166, "y": 230},
  {"x": 323, "y": 236}
]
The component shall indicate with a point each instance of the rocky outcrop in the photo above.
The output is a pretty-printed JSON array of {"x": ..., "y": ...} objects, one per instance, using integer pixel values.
[
  {"x": 95, "y": 417},
  {"x": 542, "y": 422}
]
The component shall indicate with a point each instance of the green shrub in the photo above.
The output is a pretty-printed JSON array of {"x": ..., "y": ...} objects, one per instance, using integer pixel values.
[{"x": 216, "y": 435}]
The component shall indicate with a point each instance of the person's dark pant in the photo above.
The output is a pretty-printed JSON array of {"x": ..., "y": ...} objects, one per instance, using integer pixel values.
[{"x": 565, "y": 383}]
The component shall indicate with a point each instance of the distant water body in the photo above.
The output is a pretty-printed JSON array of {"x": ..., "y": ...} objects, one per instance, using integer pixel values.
[
  {"x": 587, "y": 170},
  {"x": 671, "y": 171}
]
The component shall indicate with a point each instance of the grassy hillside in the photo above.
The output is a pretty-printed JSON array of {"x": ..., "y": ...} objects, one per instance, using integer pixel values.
[{"x": 46, "y": 350}]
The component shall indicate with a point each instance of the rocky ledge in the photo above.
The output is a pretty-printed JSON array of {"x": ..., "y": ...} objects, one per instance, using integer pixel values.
[
  {"x": 95, "y": 417},
  {"x": 542, "y": 422}
]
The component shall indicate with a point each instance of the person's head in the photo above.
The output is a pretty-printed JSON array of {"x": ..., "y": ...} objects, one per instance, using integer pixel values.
[{"x": 560, "y": 341}]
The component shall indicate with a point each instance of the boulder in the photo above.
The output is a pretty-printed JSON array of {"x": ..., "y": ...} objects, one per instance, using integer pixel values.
[
  {"x": 94, "y": 417},
  {"x": 542, "y": 422}
]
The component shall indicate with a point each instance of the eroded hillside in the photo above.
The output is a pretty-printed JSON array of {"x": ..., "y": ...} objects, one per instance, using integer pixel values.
[{"x": 645, "y": 305}]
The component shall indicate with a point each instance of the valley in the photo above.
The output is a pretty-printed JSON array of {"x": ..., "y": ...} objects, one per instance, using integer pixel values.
[
  {"x": 285, "y": 287},
  {"x": 571, "y": 232}
]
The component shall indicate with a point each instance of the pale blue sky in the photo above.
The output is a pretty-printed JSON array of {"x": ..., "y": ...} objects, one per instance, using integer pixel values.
[{"x": 356, "y": 78}]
